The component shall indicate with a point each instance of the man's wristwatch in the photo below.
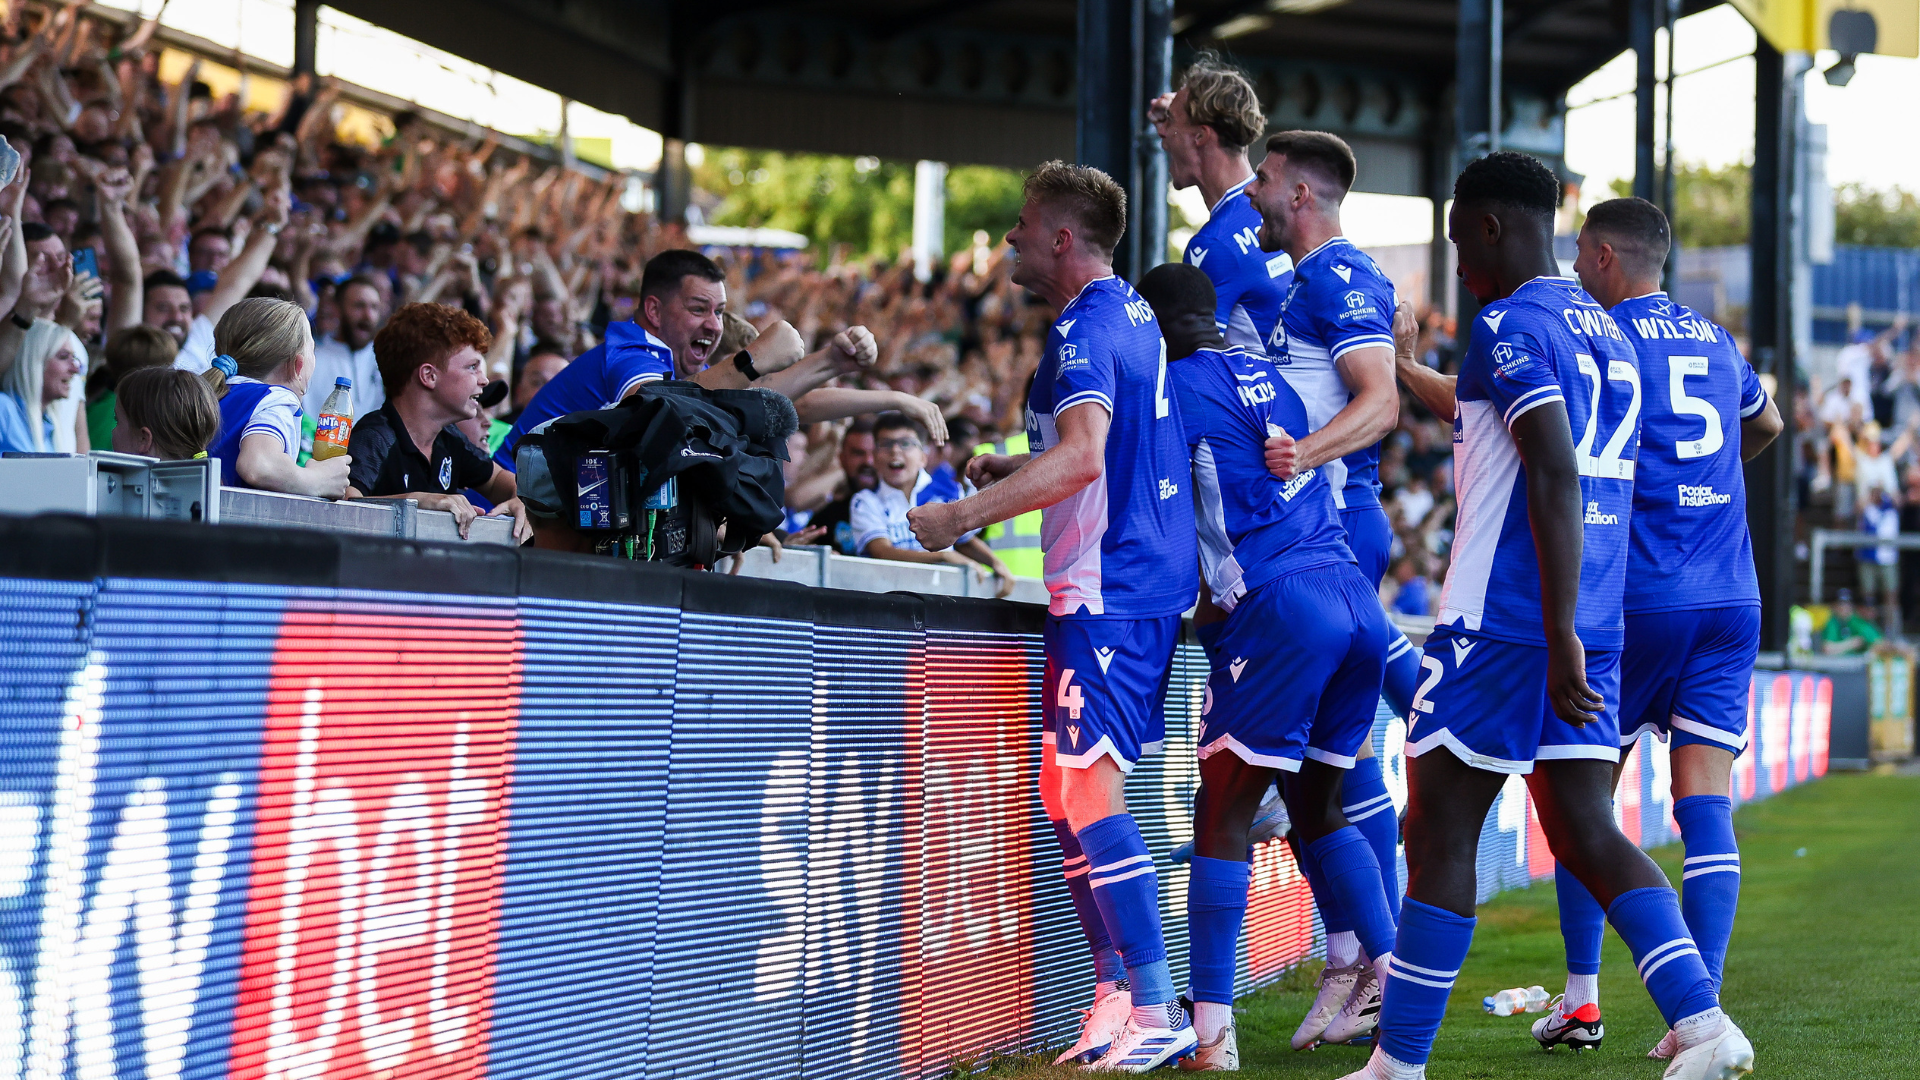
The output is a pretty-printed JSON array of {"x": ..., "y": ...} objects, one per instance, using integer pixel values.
[
  {"x": 22, "y": 323},
  {"x": 743, "y": 362}
]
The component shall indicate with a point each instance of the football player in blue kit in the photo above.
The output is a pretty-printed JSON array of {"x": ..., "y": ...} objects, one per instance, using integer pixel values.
[
  {"x": 1293, "y": 706},
  {"x": 1334, "y": 346},
  {"x": 1205, "y": 127},
  {"x": 1692, "y": 599},
  {"x": 1108, "y": 471},
  {"x": 1522, "y": 673}
]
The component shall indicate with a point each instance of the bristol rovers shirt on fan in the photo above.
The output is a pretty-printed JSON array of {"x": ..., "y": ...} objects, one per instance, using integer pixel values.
[
  {"x": 1249, "y": 284},
  {"x": 598, "y": 379},
  {"x": 1339, "y": 301},
  {"x": 1253, "y": 526},
  {"x": 1690, "y": 543},
  {"x": 1123, "y": 546},
  {"x": 1547, "y": 342}
]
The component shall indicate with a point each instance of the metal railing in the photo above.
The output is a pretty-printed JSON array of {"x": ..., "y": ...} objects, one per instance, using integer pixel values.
[{"x": 1822, "y": 539}]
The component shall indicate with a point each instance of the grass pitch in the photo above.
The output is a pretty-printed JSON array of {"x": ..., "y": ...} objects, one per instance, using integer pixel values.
[{"x": 1823, "y": 965}]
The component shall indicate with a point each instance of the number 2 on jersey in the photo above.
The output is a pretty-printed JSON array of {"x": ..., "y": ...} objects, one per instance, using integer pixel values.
[
  {"x": 1609, "y": 465},
  {"x": 1160, "y": 387},
  {"x": 1708, "y": 444}
]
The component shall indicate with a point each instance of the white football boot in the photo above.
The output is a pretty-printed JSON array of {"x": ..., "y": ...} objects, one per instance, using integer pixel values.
[
  {"x": 1668, "y": 1046},
  {"x": 1335, "y": 986},
  {"x": 1098, "y": 1028},
  {"x": 1359, "y": 1017},
  {"x": 1726, "y": 1055},
  {"x": 1143, "y": 1049},
  {"x": 1221, "y": 1055}
]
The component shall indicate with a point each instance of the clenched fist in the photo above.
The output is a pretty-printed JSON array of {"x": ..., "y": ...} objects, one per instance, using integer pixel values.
[
  {"x": 1282, "y": 454},
  {"x": 854, "y": 347}
]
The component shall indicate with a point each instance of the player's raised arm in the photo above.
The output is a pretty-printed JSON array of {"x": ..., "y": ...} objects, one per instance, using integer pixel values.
[
  {"x": 1076, "y": 461},
  {"x": 1545, "y": 441},
  {"x": 1435, "y": 391}
]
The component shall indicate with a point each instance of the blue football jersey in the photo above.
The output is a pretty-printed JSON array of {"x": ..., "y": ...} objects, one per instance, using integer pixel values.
[
  {"x": 1547, "y": 342},
  {"x": 1253, "y": 526},
  {"x": 598, "y": 379},
  {"x": 1690, "y": 544},
  {"x": 1123, "y": 546},
  {"x": 1339, "y": 301},
  {"x": 1248, "y": 284}
]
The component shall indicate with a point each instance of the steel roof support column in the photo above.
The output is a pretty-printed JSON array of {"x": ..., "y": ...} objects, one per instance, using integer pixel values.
[
  {"x": 306, "y": 34},
  {"x": 1478, "y": 43},
  {"x": 1642, "y": 18},
  {"x": 1126, "y": 56},
  {"x": 1770, "y": 492}
]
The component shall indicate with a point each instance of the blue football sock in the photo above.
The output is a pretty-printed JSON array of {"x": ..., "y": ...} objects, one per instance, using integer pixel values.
[
  {"x": 1216, "y": 907},
  {"x": 1403, "y": 675},
  {"x": 1649, "y": 921},
  {"x": 1352, "y": 874},
  {"x": 1333, "y": 918},
  {"x": 1432, "y": 945},
  {"x": 1367, "y": 805},
  {"x": 1106, "y": 959},
  {"x": 1582, "y": 923},
  {"x": 1710, "y": 884},
  {"x": 1126, "y": 889}
]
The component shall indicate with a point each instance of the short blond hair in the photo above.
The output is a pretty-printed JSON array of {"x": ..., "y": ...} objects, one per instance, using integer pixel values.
[
  {"x": 1221, "y": 97},
  {"x": 1090, "y": 197}
]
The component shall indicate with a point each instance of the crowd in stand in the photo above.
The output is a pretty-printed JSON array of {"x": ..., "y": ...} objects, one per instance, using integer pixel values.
[{"x": 146, "y": 211}]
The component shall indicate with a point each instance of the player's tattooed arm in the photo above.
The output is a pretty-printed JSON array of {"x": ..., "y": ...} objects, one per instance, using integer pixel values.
[
  {"x": 1758, "y": 433},
  {"x": 1545, "y": 441},
  {"x": 1434, "y": 390}
]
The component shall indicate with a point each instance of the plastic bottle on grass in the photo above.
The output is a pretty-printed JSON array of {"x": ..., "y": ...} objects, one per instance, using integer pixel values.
[
  {"x": 1529, "y": 999},
  {"x": 333, "y": 428}
]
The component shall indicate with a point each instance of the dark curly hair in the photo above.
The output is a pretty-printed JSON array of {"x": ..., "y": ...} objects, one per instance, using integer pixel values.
[
  {"x": 424, "y": 334},
  {"x": 1511, "y": 179}
]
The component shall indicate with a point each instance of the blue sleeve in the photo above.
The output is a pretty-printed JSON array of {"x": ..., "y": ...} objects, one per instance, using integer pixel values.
[
  {"x": 1087, "y": 370},
  {"x": 1518, "y": 375},
  {"x": 15, "y": 435},
  {"x": 1356, "y": 317},
  {"x": 1753, "y": 396},
  {"x": 630, "y": 365}
]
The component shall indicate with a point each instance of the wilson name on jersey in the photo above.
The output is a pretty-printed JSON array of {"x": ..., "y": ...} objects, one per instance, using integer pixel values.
[
  {"x": 1123, "y": 546},
  {"x": 1547, "y": 342},
  {"x": 1339, "y": 301},
  {"x": 1690, "y": 545},
  {"x": 1248, "y": 284},
  {"x": 1254, "y": 527}
]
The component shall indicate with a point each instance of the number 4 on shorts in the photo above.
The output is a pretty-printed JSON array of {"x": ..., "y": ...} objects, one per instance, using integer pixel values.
[{"x": 1069, "y": 697}]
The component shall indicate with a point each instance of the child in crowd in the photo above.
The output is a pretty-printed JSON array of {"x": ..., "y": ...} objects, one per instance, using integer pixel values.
[
  {"x": 163, "y": 412},
  {"x": 42, "y": 376},
  {"x": 263, "y": 360},
  {"x": 130, "y": 349},
  {"x": 879, "y": 516}
]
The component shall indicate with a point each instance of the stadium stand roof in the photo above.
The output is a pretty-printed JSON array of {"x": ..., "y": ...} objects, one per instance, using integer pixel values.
[{"x": 994, "y": 81}]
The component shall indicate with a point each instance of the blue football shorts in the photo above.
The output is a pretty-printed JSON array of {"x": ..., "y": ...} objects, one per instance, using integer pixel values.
[
  {"x": 1105, "y": 684},
  {"x": 1370, "y": 535},
  {"x": 1295, "y": 671},
  {"x": 1686, "y": 675},
  {"x": 1485, "y": 700}
]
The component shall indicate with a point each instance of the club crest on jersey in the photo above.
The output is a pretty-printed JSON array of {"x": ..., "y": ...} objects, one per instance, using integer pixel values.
[
  {"x": 1105, "y": 656},
  {"x": 446, "y": 474},
  {"x": 1345, "y": 272},
  {"x": 1238, "y": 665}
]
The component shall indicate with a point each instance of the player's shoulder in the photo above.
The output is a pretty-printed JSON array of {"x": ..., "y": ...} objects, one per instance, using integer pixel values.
[
  {"x": 1340, "y": 265},
  {"x": 1105, "y": 307}
]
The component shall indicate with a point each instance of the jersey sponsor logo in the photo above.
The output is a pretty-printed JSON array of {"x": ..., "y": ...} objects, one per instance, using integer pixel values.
[
  {"x": 1358, "y": 306},
  {"x": 1296, "y": 485},
  {"x": 1105, "y": 656},
  {"x": 1356, "y": 299},
  {"x": 1493, "y": 319},
  {"x": 1592, "y": 322},
  {"x": 1277, "y": 344},
  {"x": 1065, "y": 325},
  {"x": 1168, "y": 489},
  {"x": 1279, "y": 264},
  {"x": 1238, "y": 665},
  {"x": 1345, "y": 272},
  {"x": 1197, "y": 256},
  {"x": 1461, "y": 647},
  {"x": 446, "y": 474},
  {"x": 1508, "y": 360},
  {"x": 1595, "y": 517},
  {"x": 1071, "y": 360},
  {"x": 1702, "y": 495}
]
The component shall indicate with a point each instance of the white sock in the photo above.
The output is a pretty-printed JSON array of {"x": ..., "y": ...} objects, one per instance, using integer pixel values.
[
  {"x": 1581, "y": 990},
  {"x": 1210, "y": 1020},
  {"x": 1102, "y": 989},
  {"x": 1343, "y": 949},
  {"x": 1384, "y": 1066},
  {"x": 1700, "y": 1027}
]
